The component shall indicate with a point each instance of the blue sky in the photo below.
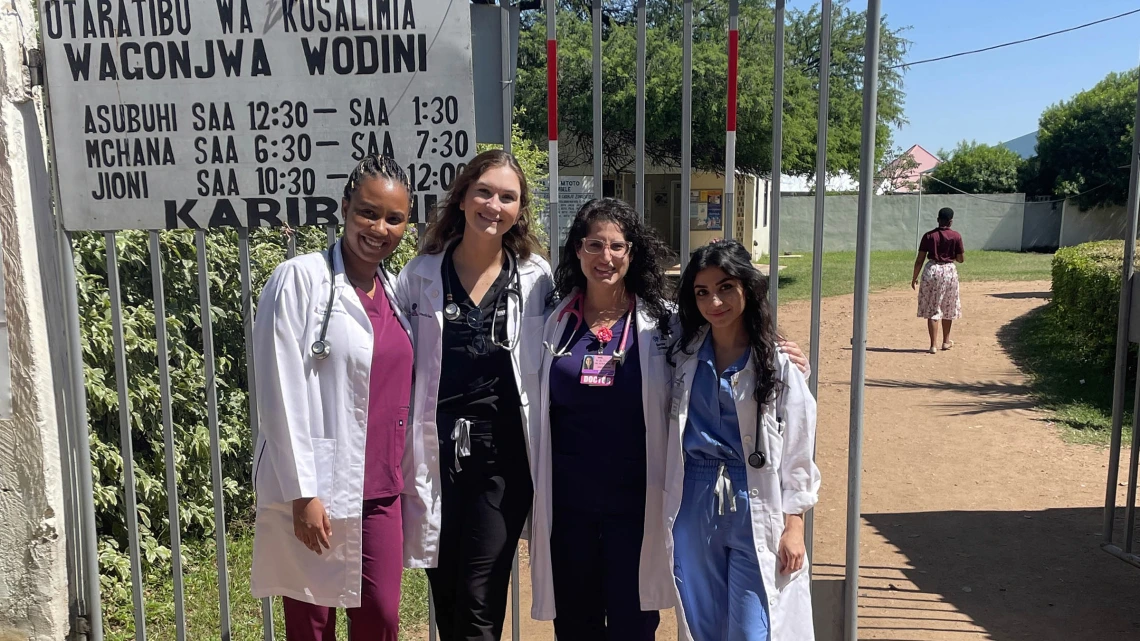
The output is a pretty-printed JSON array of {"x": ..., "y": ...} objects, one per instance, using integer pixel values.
[{"x": 999, "y": 95}]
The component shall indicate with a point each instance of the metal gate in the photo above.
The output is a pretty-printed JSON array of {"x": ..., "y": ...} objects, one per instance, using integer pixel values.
[{"x": 60, "y": 290}]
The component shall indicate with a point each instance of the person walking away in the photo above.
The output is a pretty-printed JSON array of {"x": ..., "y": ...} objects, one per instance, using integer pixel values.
[
  {"x": 739, "y": 471},
  {"x": 938, "y": 296},
  {"x": 476, "y": 296},
  {"x": 334, "y": 374}
]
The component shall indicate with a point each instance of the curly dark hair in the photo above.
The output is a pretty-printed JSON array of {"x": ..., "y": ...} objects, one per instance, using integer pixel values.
[
  {"x": 450, "y": 221},
  {"x": 646, "y": 276},
  {"x": 735, "y": 261}
]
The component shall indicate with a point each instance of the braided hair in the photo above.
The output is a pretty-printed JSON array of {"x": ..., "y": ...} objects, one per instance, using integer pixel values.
[{"x": 376, "y": 166}]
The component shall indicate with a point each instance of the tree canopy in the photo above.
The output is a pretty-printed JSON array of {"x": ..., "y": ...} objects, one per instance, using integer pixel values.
[
  {"x": 1084, "y": 144},
  {"x": 975, "y": 169},
  {"x": 710, "y": 64}
]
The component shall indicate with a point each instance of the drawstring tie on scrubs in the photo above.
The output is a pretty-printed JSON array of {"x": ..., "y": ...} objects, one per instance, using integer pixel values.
[
  {"x": 461, "y": 434},
  {"x": 723, "y": 490}
]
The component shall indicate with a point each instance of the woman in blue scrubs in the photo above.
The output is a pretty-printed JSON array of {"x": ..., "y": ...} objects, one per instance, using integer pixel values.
[{"x": 739, "y": 464}]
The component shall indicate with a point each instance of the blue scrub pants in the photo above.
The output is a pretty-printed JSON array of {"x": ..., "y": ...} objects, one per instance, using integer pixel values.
[{"x": 715, "y": 562}]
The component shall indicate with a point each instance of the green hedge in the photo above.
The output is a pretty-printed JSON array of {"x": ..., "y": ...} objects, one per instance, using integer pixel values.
[{"x": 1086, "y": 293}]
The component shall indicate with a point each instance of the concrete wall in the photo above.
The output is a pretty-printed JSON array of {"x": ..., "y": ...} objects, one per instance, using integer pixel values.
[
  {"x": 1041, "y": 231},
  {"x": 897, "y": 222},
  {"x": 1100, "y": 223},
  {"x": 33, "y": 571}
]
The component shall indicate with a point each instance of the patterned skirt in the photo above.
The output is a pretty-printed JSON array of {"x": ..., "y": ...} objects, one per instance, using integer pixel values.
[{"x": 938, "y": 292}]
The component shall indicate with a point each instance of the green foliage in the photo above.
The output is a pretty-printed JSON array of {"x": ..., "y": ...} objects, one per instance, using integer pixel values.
[
  {"x": 191, "y": 430},
  {"x": 1086, "y": 293},
  {"x": 1084, "y": 144},
  {"x": 710, "y": 63},
  {"x": 975, "y": 168}
]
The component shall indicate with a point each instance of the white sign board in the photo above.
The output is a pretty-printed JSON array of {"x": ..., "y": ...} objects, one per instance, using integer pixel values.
[
  {"x": 573, "y": 192},
  {"x": 206, "y": 113}
]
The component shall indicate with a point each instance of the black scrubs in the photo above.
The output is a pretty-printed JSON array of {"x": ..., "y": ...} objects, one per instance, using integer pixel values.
[{"x": 487, "y": 495}]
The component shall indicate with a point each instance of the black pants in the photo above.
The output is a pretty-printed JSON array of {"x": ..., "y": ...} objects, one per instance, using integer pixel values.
[
  {"x": 484, "y": 509},
  {"x": 595, "y": 559}
]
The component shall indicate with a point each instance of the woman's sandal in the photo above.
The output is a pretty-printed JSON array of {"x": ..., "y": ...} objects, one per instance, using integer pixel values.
[
  {"x": 946, "y": 346},
  {"x": 933, "y": 350}
]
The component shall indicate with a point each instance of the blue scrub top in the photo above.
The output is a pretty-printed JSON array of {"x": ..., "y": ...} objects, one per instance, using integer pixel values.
[
  {"x": 712, "y": 431},
  {"x": 597, "y": 433}
]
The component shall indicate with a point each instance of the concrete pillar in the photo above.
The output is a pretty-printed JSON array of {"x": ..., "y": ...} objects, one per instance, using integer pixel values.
[{"x": 33, "y": 570}]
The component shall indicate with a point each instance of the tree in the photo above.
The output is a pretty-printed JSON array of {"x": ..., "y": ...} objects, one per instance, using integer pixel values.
[
  {"x": 897, "y": 174},
  {"x": 975, "y": 169},
  {"x": 1084, "y": 144},
  {"x": 710, "y": 62}
]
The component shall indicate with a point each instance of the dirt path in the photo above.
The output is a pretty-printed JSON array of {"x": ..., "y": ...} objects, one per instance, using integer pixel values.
[{"x": 979, "y": 522}]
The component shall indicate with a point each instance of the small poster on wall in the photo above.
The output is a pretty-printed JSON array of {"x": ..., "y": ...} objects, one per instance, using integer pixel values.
[{"x": 705, "y": 209}]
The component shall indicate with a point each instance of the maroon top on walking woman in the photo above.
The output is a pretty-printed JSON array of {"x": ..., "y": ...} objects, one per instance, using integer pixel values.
[{"x": 942, "y": 244}]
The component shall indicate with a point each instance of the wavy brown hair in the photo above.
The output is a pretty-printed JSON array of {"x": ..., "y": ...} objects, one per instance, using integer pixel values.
[{"x": 449, "y": 220}]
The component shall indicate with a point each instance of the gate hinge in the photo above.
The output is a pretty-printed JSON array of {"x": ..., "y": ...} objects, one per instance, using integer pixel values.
[{"x": 34, "y": 60}]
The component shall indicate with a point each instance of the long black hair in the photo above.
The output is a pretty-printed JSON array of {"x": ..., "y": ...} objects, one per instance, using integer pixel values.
[
  {"x": 646, "y": 276},
  {"x": 735, "y": 261}
]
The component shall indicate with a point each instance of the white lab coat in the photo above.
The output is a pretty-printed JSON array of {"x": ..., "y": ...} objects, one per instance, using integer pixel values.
[
  {"x": 656, "y": 573},
  {"x": 419, "y": 289},
  {"x": 787, "y": 484},
  {"x": 313, "y": 418}
]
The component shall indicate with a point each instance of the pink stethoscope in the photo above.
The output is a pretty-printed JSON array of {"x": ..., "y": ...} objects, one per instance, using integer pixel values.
[{"x": 575, "y": 308}]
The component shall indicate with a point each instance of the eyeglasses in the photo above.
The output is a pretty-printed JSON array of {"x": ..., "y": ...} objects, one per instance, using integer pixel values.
[{"x": 595, "y": 246}]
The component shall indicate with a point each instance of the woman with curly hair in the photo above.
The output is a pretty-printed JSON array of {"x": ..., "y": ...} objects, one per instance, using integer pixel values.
[
  {"x": 739, "y": 462},
  {"x": 597, "y": 551}
]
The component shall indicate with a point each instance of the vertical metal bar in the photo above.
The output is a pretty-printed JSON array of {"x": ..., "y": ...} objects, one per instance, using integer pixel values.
[
  {"x": 505, "y": 73},
  {"x": 215, "y": 437},
  {"x": 83, "y": 472},
  {"x": 251, "y": 379},
  {"x": 291, "y": 244},
  {"x": 639, "y": 118},
  {"x": 777, "y": 166},
  {"x": 596, "y": 11},
  {"x": 817, "y": 232},
  {"x": 918, "y": 216},
  {"x": 125, "y": 445},
  {"x": 1122, "y": 320},
  {"x": 728, "y": 207},
  {"x": 859, "y": 329},
  {"x": 168, "y": 434},
  {"x": 330, "y": 233},
  {"x": 554, "y": 231},
  {"x": 686, "y": 128},
  {"x": 1133, "y": 460}
]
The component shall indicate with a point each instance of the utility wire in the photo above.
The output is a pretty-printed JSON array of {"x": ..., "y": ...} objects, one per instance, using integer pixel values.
[
  {"x": 1013, "y": 202},
  {"x": 1015, "y": 42}
]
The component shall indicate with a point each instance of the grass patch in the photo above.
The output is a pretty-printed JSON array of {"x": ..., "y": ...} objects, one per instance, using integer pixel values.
[
  {"x": 1077, "y": 390},
  {"x": 200, "y": 580},
  {"x": 892, "y": 270}
]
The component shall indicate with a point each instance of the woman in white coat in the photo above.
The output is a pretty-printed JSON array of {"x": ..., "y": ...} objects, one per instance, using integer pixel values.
[
  {"x": 739, "y": 472},
  {"x": 476, "y": 297},
  {"x": 334, "y": 373},
  {"x": 597, "y": 550}
]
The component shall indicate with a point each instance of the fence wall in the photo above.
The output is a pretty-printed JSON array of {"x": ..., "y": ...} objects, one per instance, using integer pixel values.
[{"x": 995, "y": 223}]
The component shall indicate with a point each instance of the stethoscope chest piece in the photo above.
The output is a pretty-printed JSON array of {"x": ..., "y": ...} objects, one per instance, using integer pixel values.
[
  {"x": 757, "y": 459},
  {"x": 321, "y": 349},
  {"x": 451, "y": 312}
]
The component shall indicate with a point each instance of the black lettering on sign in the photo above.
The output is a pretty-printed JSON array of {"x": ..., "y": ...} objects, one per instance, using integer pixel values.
[
  {"x": 366, "y": 144},
  {"x": 262, "y": 212},
  {"x": 226, "y": 16},
  {"x": 219, "y": 182},
  {"x": 130, "y": 118},
  {"x": 114, "y": 19},
  {"x": 365, "y": 113},
  {"x": 121, "y": 185},
  {"x": 212, "y": 118},
  {"x": 214, "y": 150},
  {"x": 364, "y": 55},
  {"x": 259, "y": 212},
  {"x": 129, "y": 152},
  {"x": 171, "y": 59}
]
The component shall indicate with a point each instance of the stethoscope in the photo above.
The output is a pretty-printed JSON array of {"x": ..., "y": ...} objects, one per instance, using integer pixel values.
[
  {"x": 321, "y": 348},
  {"x": 575, "y": 308},
  {"x": 452, "y": 312}
]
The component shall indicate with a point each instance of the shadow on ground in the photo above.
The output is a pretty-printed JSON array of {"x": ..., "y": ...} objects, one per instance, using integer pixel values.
[
  {"x": 1018, "y": 575},
  {"x": 1022, "y": 295}
]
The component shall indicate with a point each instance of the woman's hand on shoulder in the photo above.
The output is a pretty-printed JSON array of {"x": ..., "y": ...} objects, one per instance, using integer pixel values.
[
  {"x": 794, "y": 354},
  {"x": 311, "y": 524}
]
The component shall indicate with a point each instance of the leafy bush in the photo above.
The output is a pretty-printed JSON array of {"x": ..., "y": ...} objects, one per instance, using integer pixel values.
[
  {"x": 1086, "y": 292},
  {"x": 187, "y": 382}
]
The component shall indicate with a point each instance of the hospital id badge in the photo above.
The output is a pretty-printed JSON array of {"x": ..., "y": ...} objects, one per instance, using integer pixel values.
[{"x": 598, "y": 370}]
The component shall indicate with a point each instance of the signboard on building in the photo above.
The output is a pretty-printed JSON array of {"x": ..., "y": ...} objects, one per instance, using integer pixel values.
[
  {"x": 573, "y": 192},
  {"x": 205, "y": 113},
  {"x": 705, "y": 209}
]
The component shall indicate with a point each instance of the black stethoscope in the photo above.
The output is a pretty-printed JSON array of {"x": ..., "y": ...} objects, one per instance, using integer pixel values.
[
  {"x": 452, "y": 312},
  {"x": 759, "y": 458},
  {"x": 321, "y": 348}
]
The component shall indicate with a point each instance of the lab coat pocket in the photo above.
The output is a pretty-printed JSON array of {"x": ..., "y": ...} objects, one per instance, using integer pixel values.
[
  {"x": 324, "y": 459},
  {"x": 399, "y": 437},
  {"x": 774, "y": 433}
]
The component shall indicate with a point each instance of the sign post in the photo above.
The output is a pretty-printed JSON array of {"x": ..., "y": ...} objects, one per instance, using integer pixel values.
[{"x": 212, "y": 113}]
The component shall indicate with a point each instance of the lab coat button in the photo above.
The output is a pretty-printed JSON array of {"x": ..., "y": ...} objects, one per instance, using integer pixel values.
[
  {"x": 434, "y": 293},
  {"x": 747, "y": 439},
  {"x": 754, "y": 492}
]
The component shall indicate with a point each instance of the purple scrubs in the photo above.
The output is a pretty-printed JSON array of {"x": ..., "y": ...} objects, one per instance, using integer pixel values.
[
  {"x": 598, "y": 441},
  {"x": 389, "y": 390}
]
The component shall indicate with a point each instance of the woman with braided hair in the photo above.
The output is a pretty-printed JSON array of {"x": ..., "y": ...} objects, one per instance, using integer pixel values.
[{"x": 334, "y": 374}]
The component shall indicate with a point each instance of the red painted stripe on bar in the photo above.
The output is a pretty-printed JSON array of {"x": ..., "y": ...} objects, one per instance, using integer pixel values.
[
  {"x": 733, "y": 40},
  {"x": 552, "y": 89}
]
